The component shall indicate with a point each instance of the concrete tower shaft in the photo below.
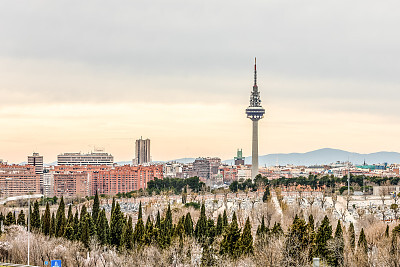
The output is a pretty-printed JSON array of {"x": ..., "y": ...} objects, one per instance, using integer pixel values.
[{"x": 255, "y": 112}]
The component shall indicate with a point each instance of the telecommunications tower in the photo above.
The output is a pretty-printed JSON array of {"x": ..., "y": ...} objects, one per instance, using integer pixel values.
[{"x": 255, "y": 112}]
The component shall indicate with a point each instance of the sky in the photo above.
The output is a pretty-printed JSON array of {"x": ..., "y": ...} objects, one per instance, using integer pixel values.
[{"x": 75, "y": 75}]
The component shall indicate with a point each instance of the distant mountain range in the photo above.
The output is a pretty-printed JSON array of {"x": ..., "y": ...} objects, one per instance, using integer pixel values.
[{"x": 318, "y": 157}]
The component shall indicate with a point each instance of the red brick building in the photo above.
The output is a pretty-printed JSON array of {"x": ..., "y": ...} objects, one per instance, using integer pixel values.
[
  {"x": 18, "y": 180},
  {"x": 124, "y": 179}
]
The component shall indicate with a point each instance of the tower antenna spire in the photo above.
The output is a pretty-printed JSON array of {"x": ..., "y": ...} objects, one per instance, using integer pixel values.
[
  {"x": 255, "y": 112},
  {"x": 255, "y": 71}
]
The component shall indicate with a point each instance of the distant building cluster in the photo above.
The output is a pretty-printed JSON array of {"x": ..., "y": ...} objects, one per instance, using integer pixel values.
[{"x": 78, "y": 174}]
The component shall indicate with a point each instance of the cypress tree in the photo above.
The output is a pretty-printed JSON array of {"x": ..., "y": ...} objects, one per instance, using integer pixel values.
[
  {"x": 69, "y": 231},
  {"x": 76, "y": 225},
  {"x": 201, "y": 230},
  {"x": 231, "y": 242},
  {"x": 311, "y": 222},
  {"x": 158, "y": 220},
  {"x": 267, "y": 194},
  {"x": 96, "y": 207},
  {"x": 35, "y": 217},
  {"x": 70, "y": 217},
  {"x": 83, "y": 213},
  {"x": 277, "y": 229},
  {"x": 52, "y": 226},
  {"x": 85, "y": 231},
  {"x": 179, "y": 230},
  {"x": 219, "y": 227},
  {"x": 323, "y": 235},
  {"x": 168, "y": 220},
  {"x": 91, "y": 225},
  {"x": 60, "y": 219},
  {"x": 140, "y": 211},
  {"x": 352, "y": 236},
  {"x": 149, "y": 231},
  {"x": 21, "y": 218},
  {"x": 261, "y": 230},
  {"x": 224, "y": 220},
  {"x": 337, "y": 254},
  {"x": 9, "y": 219},
  {"x": 296, "y": 242},
  {"x": 362, "y": 242},
  {"x": 128, "y": 234},
  {"x": 46, "y": 220},
  {"x": 116, "y": 227},
  {"x": 246, "y": 240},
  {"x": 211, "y": 231},
  {"x": 188, "y": 225},
  {"x": 102, "y": 228}
]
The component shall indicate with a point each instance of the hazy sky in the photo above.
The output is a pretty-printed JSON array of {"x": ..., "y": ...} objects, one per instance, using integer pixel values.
[{"x": 78, "y": 74}]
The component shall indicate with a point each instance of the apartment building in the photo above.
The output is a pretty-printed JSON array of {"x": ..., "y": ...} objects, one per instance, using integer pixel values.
[
  {"x": 18, "y": 180},
  {"x": 93, "y": 158},
  {"x": 124, "y": 179},
  {"x": 142, "y": 152}
]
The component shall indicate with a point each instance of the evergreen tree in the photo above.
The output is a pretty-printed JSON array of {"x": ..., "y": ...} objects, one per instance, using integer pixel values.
[
  {"x": 219, "y": 227},
  {"x": 158, "y": 220},
  {"x": 261, "y": 230},
  {"x": 102, "y": 228},
  {"x": 96, "y": 208},
  {"x": 311, "y": 222},
  {"x": 246, "y": 240},
  {"x": 387, "y": 231},
  {"x": 116, "y": 226},
  {"x": 296, "y": 243},
  {"x": 83, "y": 213},
  {"x": 324, "y": 234},
  {"x": 76, "y": 225},
  {"x": 231, "y": 241},
  {"x": 60, "y": 219},
  {"x": 201, "y": 230},
  {"x": 337, "y": 252},
  {"x": 46, "y": 220},
  {"x": 188, "y": 225},
  {"x": 149, "y": 231},
  {"x": 85, "y": 231},
  {"x": 140, "y": 211},
  {"x": 139, "y": 234},
  {"x": 128, "y": 234},
  {"x": 362, "y": 242},
  {"x": 277, "y": 229},
  {"x": 267, "y": 194},
  {"x": 52, "y": 226},
  {"x": 352, "y": 236},
  {"x": 69, "y": 231},
  {"x": 35, "y": 217},
  {"x": 311, "y": 236},
  {"x": 211, "y": 231},
  {"x": 224, "y": 220},
  {"x": 70, "y": 217},
  {"x": 179, "y": 230},
  {"x": 9, "y": 219},
  {"x": 21, "y": 218}
]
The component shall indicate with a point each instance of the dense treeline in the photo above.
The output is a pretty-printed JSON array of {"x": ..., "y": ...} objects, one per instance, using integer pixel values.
[
  {"x": 120, "y": 233},
  {"x": 314, "y": 182},
  {"x": 301, "y": 241},
  {"x": 176, "y": 185}
]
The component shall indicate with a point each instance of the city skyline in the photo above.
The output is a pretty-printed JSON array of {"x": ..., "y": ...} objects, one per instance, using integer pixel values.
[{"x": 180, "y": 77}]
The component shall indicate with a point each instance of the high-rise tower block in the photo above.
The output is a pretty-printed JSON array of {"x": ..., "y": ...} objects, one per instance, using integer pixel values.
[{"x": 255, "y": 112}]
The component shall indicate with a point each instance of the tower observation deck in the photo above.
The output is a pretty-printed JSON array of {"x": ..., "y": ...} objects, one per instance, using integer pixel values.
[{"x": 255, "y": 112}]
